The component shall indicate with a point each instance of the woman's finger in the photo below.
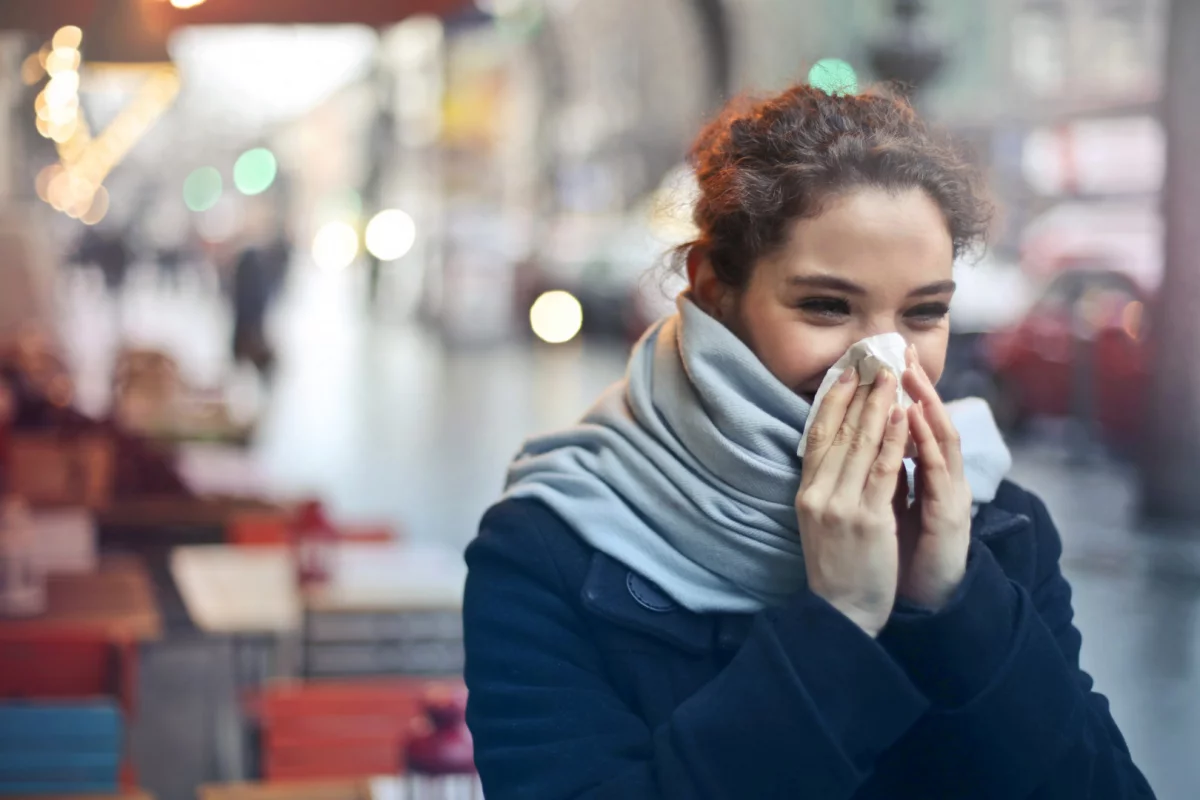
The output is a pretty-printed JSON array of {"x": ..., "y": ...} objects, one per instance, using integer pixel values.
[
  {"x": 830, "y": 469},
  {"x": 866, "y": 438},
  {"x": 881, "y": 485},
  {"x": 933, "y": 472},
  {"x": 824, "y": 427},
  {"x": 921, "y": 389}
]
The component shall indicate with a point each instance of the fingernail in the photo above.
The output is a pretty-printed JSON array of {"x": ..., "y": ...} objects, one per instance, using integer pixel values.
[
  {"x": 896, "y": 416},
  {"x": 849, "y": 375},
  {"x": 882, "y": 376}
]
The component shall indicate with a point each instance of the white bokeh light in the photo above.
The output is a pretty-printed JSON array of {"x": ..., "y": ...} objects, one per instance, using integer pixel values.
[
  {"x": 390, "y": 235},
  {"x": 556, "y": 317},
  {"x": 335, "y": 246}
]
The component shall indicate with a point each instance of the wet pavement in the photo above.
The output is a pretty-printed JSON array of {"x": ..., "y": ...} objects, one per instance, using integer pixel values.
[{"x": 386, "y": 423}]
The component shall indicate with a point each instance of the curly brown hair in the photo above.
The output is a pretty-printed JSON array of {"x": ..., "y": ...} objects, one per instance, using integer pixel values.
[{"x": 761, "y": 164}]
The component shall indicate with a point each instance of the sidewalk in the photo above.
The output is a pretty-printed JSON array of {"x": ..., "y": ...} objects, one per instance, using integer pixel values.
[
  {"x": 1094, "y": 504},
  {"x": 1137, "y": 603}
]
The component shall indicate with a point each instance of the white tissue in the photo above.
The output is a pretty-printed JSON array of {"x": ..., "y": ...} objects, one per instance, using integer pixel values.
[{"x": 867, "y": 356}]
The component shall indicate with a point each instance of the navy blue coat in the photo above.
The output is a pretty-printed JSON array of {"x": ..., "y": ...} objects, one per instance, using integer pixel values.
[{"x": 587, "y": 681}]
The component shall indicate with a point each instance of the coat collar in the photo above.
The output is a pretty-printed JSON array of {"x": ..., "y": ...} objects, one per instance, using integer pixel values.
[
  {"x": 992, "y": 522},
  {"x": 624, "y": 598}
]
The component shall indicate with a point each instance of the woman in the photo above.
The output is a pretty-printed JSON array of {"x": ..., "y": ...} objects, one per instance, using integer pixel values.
[{"x": 669, "y": 603}]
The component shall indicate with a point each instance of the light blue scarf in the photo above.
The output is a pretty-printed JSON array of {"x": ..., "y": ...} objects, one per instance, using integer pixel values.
[{"x": 686, "y": 471}]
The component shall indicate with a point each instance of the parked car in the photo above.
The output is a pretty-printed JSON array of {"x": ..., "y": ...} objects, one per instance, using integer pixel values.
[{"x": 1081, "y": 350}]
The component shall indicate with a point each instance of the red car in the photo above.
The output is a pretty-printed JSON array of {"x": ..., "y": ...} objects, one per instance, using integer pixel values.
[{"x": 1080, "y": 350}]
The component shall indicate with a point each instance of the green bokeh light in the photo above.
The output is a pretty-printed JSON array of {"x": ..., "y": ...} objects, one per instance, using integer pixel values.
[
  {"x": 834, "y": 76},
  {"x": 202, "y": 189},
  {"x": 255, "y": 171}
]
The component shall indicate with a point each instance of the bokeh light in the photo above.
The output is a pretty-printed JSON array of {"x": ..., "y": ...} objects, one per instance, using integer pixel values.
[
  {"x": 62, "y": 88},
  {"x": 391, "y": 234},
  {"x": 556, "y": 317},
  {"x": 44, "y": 178},
  {"x": 98, "y": 209},
  {"x": 202, "y": 189},
  {"x": 1131, "y": 319},
  {"x": 335, "y": 246},
  {"x": 255, "y": 171},
  {"x": 69, "y": 37},
  {"x": 32, "y": 70},
  {"x": 187, "y": 3},
  {"x": 61, "y": 132},
  {"x": 833, "y": 76},
  {"x": 61, "y": 60}
]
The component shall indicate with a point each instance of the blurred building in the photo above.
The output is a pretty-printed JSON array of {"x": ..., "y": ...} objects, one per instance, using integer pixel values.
[{"x": 535, "y": 134}]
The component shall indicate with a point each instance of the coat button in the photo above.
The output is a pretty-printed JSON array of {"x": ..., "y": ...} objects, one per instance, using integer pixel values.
[{"x": 648, "y": 595}]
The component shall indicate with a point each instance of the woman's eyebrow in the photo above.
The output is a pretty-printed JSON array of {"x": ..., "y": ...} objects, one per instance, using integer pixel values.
[
  {"x": 836, "y": 284},
  {"x": 831, "y": 282},
  {"x": 941, "y": 287}
]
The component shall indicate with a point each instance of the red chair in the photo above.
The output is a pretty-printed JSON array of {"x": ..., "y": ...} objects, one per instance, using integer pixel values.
[
  {"x": 57, "y": 665},
  {"x": 253, "y": 529},
  {"x": 338, "y": 729},
  {"x": 52, "y": 667}
]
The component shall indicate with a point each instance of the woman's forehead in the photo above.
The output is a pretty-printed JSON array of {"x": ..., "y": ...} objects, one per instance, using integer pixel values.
[{"x": 871, "y": 237}]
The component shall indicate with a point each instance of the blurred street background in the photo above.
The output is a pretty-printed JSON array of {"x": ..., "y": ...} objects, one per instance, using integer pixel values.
[{"x": 284, "y": 285}]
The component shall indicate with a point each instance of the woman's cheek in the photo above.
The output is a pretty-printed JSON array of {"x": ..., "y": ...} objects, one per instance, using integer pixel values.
[
  {"x": 931, "y": 354},
  {"x": 820, "y": 349}
]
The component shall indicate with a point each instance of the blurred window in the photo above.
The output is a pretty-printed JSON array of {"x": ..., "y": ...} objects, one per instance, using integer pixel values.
[
  {"x": 1121, "y": 58},
  {"x": 1040, "y": 46}
]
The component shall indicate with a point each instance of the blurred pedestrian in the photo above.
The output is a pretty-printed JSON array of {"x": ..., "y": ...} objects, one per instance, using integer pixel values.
[
  {"x": 257, "y": 276},
  {"x": 110, "y": 251},
  {"x": 669, "y": 603}
]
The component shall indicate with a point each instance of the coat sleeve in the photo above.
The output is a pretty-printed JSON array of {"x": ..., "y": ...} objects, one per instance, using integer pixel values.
[
  {"x": 802, "y": 710},
  {"x": 1013, "y": 715}
]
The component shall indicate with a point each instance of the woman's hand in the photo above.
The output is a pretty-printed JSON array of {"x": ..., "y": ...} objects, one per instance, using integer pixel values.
[
  {"x": 847, "y": 523},
  {"x": 935, "y": 532}
]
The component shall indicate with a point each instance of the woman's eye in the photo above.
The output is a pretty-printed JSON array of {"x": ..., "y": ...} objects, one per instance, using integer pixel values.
[
  {"x": 826, "y": 307},
  {"x": 928, "y": 313}
]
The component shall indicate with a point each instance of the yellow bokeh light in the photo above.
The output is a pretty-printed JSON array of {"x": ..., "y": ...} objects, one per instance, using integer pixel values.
[
  {"x": 1131, "y": 319},
  {"x": 59, "y": 190},
  {"x": 335, "y": 246},
  {"x": 69, "y": 37},
  {"x": 62, "y": 115},
  {"x": 62, "y": 88},
  {"x": 98, "y": 209},
  {"x": 32, "y": 70},
  {"x": 187, "y": 3},
  {"x": 82, "y": 199},
  {"x": 556, "y": 317},
  {"x": 62, "y": 132},
  {"x": 390, "y": 235},
  {"x": 70, "y": 192},
  {"x": 62, "y": 59},
  {"x": 43, "y": 180}
]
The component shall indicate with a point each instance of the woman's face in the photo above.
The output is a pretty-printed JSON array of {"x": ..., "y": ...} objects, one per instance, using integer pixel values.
[{"x": 872, "y": 262}]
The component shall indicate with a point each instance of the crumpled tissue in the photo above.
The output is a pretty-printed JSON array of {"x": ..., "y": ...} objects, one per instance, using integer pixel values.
[{"x": 868, "y": 356}]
